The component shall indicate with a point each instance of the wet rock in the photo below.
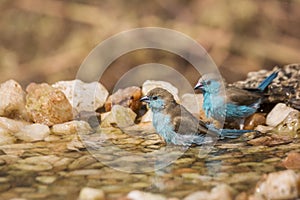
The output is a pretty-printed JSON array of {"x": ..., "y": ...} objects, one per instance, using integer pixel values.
[
  {"x": 221, "y": 191},
  {"x": 76, "y": 144},
  {"x": 254, "y": 120},
  {"x": 83, "y": 96},
  {"x": 33, "y": 132},
  {"x": 279, "y": 185},
  {"x": 82, "y": 162},
  {"x": 139, "y": 195},
  {"x": 290, "y": 126},
  {"x": 47, "y": 105},
  {"x": 150, "y": 84},
  {"x": 278, "y": 114},
  {"x": 91, "y": 117},
  {"x": 71, "y": 127},
  {"x": 12, "y": 102},
  {"x": 292, "y": 161},
  {"x": 192, "y": 102},
  {"x": 11, "y": 125},
  {"x": 6, "y": 137},
  {"x": 263, "y": 129},
  {"x": 128, "y": 97},
  {"x": 88, "y": 193},
  {"x": 119, "y": 116}
]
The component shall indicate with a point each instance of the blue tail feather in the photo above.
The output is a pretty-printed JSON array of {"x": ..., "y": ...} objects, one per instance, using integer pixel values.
[
  {"x": 264, "y": 84},
  {"x": 228, "y": 133}
]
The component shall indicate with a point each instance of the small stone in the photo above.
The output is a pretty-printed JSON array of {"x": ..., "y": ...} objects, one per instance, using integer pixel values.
[
  {"x": 12, "y": 125},
  {"x": 41, "y": 166},
  {"x": 192, "y": 102},
  {"x": 33, "y": 132},
  {"x": 12, "y": 102},
  {"x": 254, "y": 120},
  {"x": 292, "y": 161},
  {"x": 6, "y": 137},
  {"x": 221, "y": 191},
  {"x": 71, "y": 127},
  {"x": 279, "y": 185},
  {"x": 76, "y": 144},
  {"x": 128, "y": 97},
  {"x": 290, "y": 126},
  {"x": 278, "y": 114},
  {"x": 147, "y": 117},
  {"x": 82, "y": 162},
  {"x": 140, "y": 195},
  {"x": 47, "y": 105},
  {"x": 263, "y": 129},
  {"x": 88, "y": 193},
  {"x": 120, "y": 116},
  {"x": 151, "y": 84},
  {"x": 83, "y": 96},
  {"x": 91, "y": 117},
  {"x": 46, "y": 179}
]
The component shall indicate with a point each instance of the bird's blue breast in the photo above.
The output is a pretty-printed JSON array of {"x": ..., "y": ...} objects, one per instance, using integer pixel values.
[{"x": 164, "y": 127}]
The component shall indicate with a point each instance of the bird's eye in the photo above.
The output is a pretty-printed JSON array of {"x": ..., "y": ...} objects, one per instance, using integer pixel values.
[
  {"x": 154, "y": 98},
  {"x": 208, "y": 82}
]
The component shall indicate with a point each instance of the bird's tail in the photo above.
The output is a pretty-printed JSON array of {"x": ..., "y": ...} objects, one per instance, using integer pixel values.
[
  {"x": 264, "y": 84},
  {"x": 228, "y": 133}
]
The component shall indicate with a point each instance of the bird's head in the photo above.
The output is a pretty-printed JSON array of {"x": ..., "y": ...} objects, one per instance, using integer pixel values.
[
  {"x": 209, "y": 83},
  {"x": 158, "y": 98}
]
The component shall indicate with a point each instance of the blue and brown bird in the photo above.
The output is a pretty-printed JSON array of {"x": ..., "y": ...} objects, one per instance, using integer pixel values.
[
  {"x": 235, "y": 104},
  {"x": 176, "y": 125}
]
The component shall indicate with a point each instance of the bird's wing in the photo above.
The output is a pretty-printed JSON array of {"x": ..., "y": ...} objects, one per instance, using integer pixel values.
[
  {"x": 239, "y": 96},
  {"x": 186, "y": 123}
]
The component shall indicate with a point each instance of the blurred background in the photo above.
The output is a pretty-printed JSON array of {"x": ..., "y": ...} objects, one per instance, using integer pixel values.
[{"x": 47, "y": 40}]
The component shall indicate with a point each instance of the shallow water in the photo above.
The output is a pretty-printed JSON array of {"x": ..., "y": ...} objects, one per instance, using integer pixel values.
[{"x": 119, "y": 161}]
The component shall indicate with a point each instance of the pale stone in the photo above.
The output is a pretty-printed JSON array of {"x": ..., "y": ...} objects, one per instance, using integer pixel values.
[
  {"x": 192, "y": 102},
  {"x": 33, "y": 132},
  {"x": 279, "y": 185},
  {"x": 151, "y": 84},
  {"x": 71, "y": 127},
  {"x": 221, "y": 191},
  {"x": 120, "y": 116},
  {"x": 12, "y": 125},
  {"x": 147, "y": 117},
  {"x": 6, "y": 137},
  {"x": 263, "y": 129},
  {"x": 46, "y": 179},
  {"x": 88, "y": 193},
  {"x": 140, "y": 195},
  {"x": 47, "y": 105},
  {"x": 12, "y": 102},
  {"x": 83, "y": 96},
  {"x": 278, "y": 114}
]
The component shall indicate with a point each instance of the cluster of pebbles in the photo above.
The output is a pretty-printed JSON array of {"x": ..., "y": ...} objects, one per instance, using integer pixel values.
[{"x": 46, "y": 130}]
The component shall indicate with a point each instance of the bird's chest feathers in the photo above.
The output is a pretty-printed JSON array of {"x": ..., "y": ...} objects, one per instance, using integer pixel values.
[
  {"x": 214, "y": 106},
  {"x": 163, "y": 124}
]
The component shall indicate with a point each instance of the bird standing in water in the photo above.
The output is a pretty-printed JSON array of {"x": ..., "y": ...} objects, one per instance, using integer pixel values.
[
  {"x": 176, "y": 125},
  {"x": 236, "y": 103}
]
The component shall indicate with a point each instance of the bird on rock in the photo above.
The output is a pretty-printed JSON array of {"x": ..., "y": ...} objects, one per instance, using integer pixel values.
[
  {"x": 176, "y": 125},
  {"x": 235, "y": 104}
]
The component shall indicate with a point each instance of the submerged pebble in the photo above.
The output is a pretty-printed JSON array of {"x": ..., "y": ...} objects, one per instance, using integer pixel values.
[
  {"x": 292, "y": 161},
  {"x": 221, "y": 191},
  {"x": 88, "y": 193},
  {"x": 140, "y": 195}
]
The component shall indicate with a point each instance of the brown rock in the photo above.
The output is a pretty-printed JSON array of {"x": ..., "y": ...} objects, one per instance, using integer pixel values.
[
  {"x": 47, "y": 105},
  {"x": 128, "y": 97},
  {"x": 254, "y": 120},
  {"x": 292, "y": 161}
]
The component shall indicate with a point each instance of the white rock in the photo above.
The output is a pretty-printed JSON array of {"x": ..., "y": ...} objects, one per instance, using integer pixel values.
[
  {"x": 221, "y": 191},
  {"x": 12, "y": 102},
  {"x": 263, "y": 129},
  {"x": 6, "y": 137},
  {"x": 278, "y": 114},
  {"x": 12, "y": 125},
  {"x": 151, "y": 84},
  {"x": 139, "y": 195},
  {"x": 33, "y": 132},
  {"x": 147, "y": 117},
  {"x": 71, "y": 128},
  {"x": 192, "y": 102},
  {"x": 83, "y": 96},
  {"x": 88, "y": 193},
  {"x": 279, "y": 185},
  {"x": 119, "y": 115}
]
